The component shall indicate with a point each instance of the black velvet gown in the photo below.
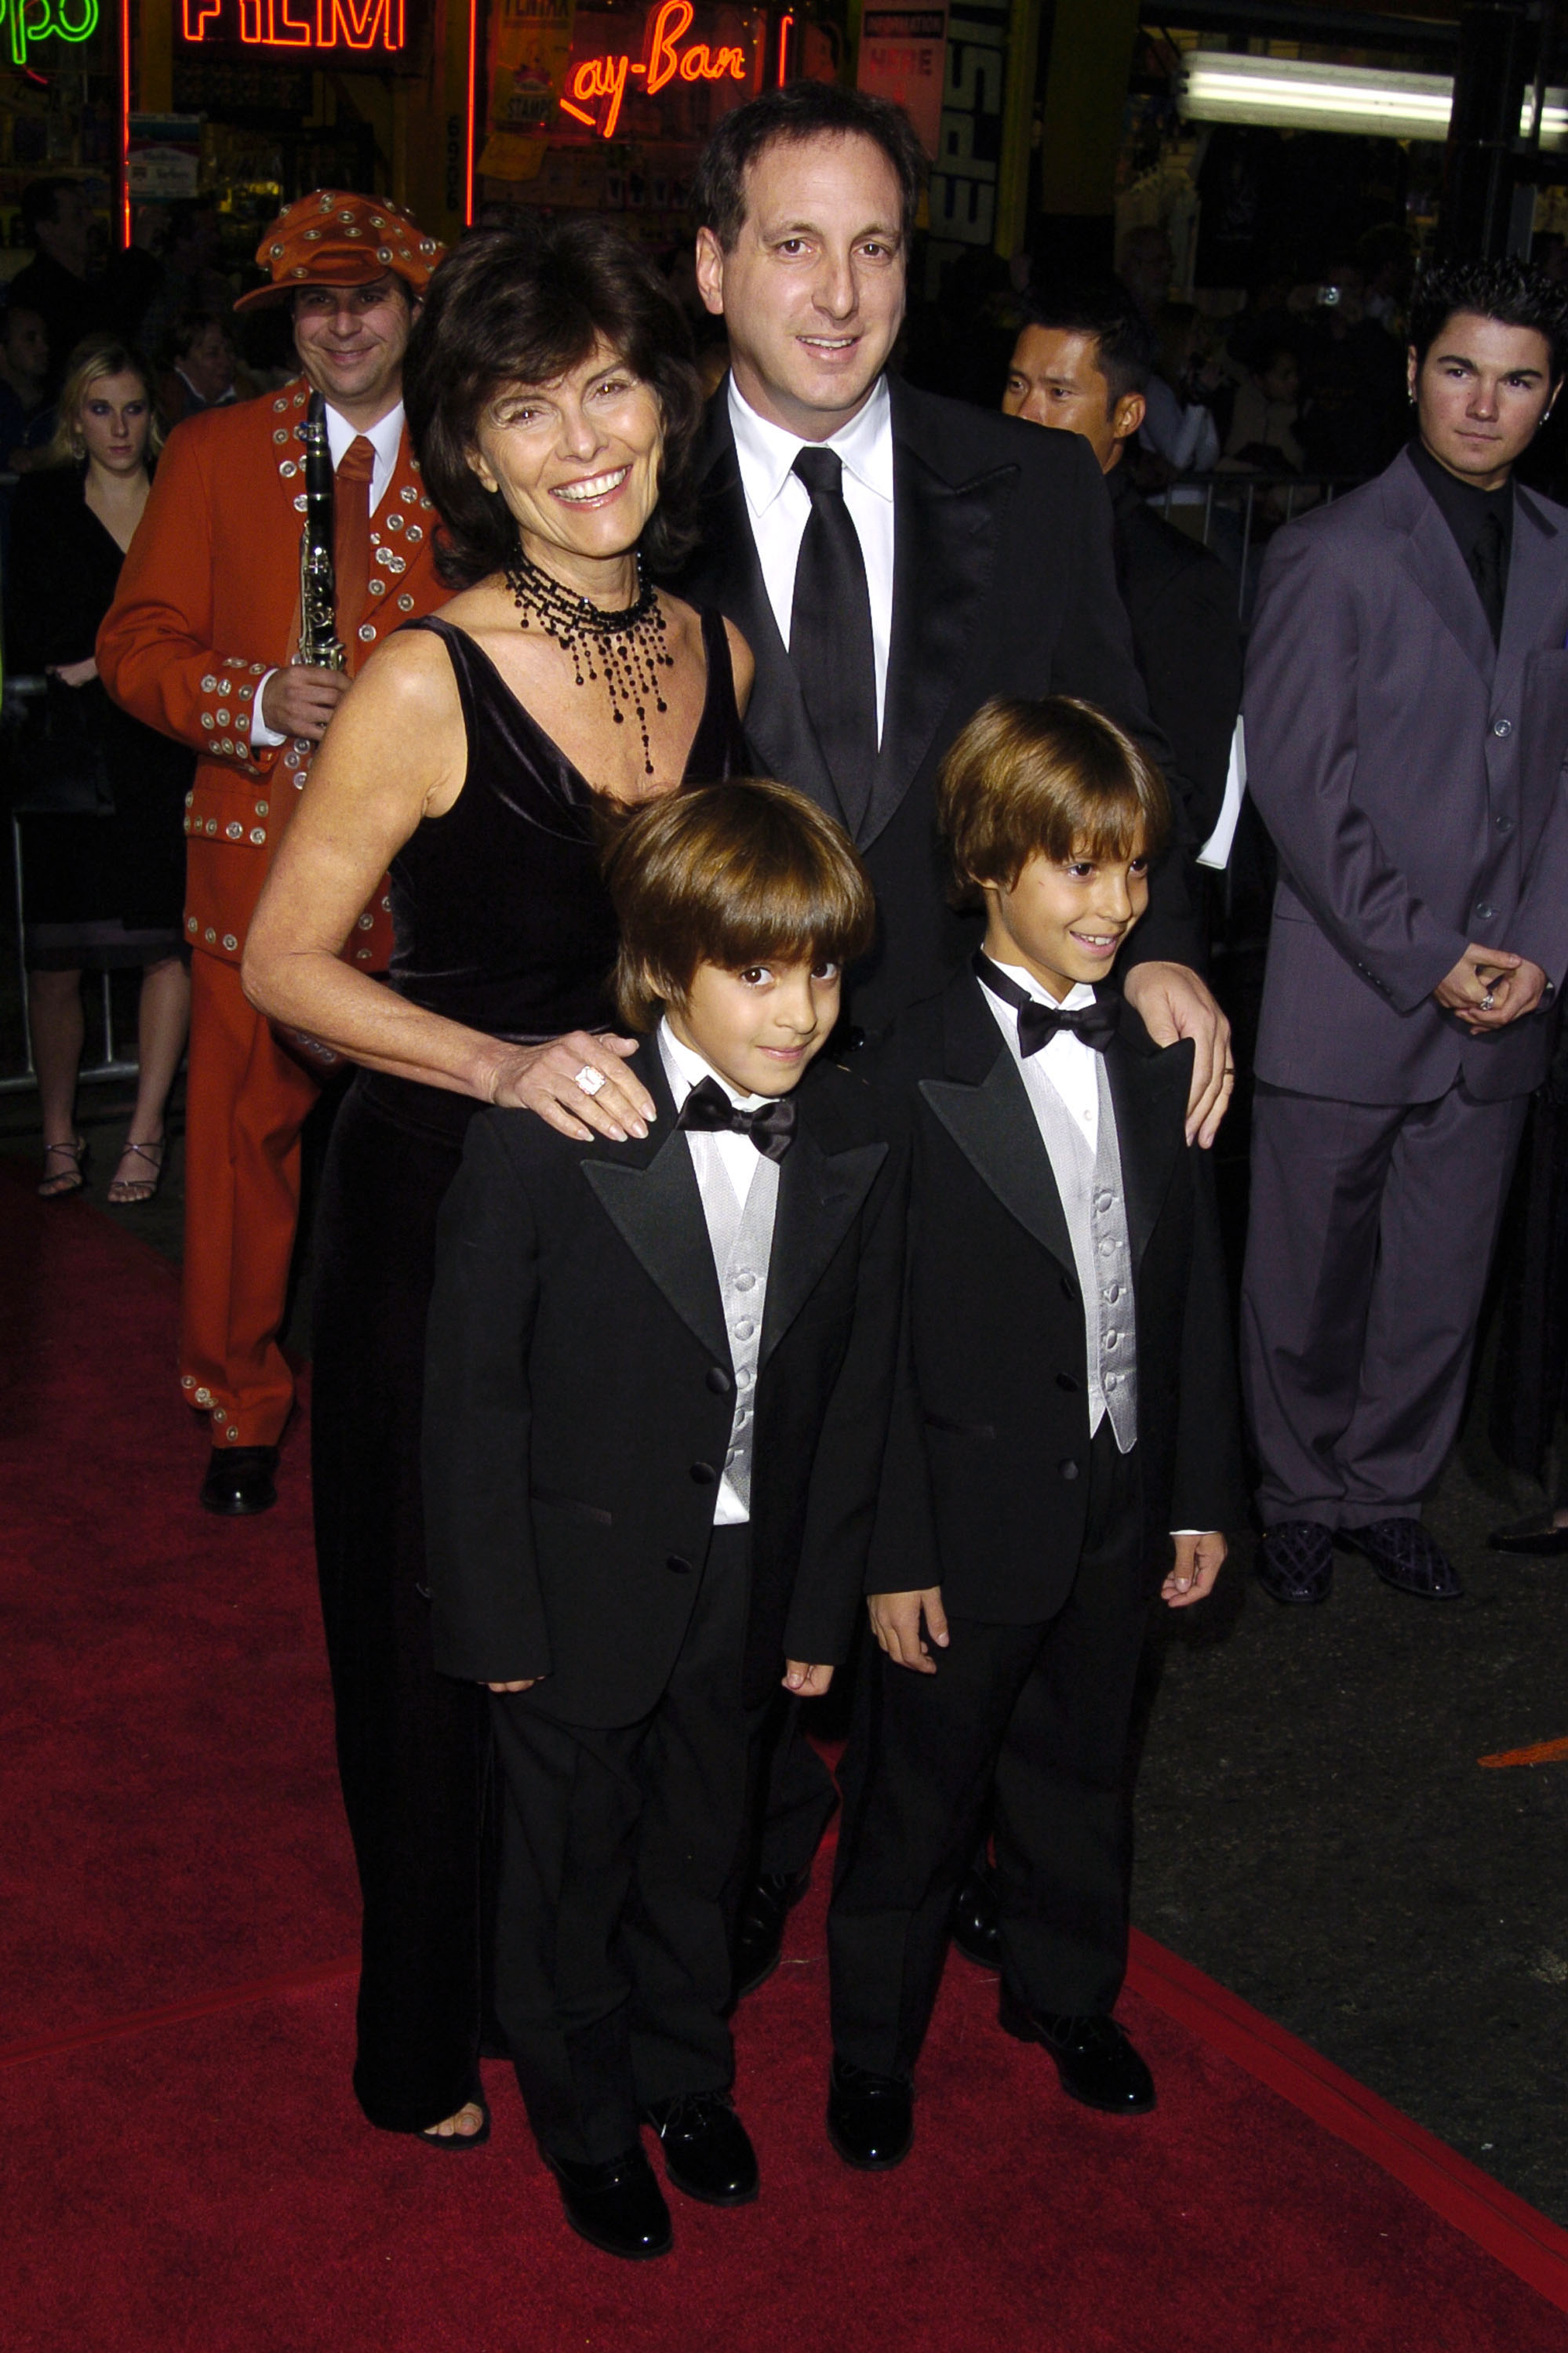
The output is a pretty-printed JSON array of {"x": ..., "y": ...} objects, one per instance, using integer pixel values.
[{"x": 503, "y": 923}]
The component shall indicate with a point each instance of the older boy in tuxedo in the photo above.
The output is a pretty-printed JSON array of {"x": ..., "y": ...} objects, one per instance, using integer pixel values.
[
  {"x": 1072, "y": 1402},
  {"x": 659, "y": 1374}
]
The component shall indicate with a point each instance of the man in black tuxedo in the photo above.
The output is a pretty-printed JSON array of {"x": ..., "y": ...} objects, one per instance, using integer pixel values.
[
  {"x": 894, "y": 559},
  {"x": 1081, "y": 364}
]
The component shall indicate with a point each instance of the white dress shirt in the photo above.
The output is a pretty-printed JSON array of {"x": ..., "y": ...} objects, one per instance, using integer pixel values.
[
  {"x": 718, "y": 1159},
  {"x": 384, "y": 439},
  {"x": 779, "y": 506}
]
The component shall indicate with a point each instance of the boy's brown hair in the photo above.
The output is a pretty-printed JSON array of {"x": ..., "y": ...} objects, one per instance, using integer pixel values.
[
  {"x": 733, "y": 875},
  {"x": 1055, "y": 779}
]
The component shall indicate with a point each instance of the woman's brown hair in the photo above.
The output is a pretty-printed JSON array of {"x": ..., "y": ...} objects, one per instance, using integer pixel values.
[
  {"x": 1055, "y": 779},
  {"x": 521, "y": 306},
  {"x": 732, "y": 875}
]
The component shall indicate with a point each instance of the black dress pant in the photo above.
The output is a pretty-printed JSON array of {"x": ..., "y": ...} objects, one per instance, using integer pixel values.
[
  {"x": 413, "y": 1746},
  {"x": 1033, "y": 1720},
  {"x": 620, "y": 1867}
]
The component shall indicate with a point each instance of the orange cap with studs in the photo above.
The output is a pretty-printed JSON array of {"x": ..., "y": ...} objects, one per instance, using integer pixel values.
[{"x": 333, "y": 238}]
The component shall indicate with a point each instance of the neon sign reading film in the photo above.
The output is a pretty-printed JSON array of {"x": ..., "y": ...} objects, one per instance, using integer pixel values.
[
  {"x": 291, "y": 24},
  {"x": 599, "y": 83},
  {"x": 27, "y": 21}
]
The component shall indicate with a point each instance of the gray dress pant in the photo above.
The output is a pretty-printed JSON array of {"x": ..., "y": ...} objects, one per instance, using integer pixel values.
[{"x": 1371, "y": 1235}]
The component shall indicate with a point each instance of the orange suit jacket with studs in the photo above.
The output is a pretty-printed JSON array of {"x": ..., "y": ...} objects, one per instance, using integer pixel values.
[{"x": 209, "y": 602}]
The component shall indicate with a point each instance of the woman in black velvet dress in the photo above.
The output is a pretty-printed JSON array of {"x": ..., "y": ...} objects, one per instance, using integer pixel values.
[{"x": 480, "y": 757}]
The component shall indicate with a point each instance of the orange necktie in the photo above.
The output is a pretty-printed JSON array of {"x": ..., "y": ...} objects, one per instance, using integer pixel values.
[{"x": 351, "y": 539}]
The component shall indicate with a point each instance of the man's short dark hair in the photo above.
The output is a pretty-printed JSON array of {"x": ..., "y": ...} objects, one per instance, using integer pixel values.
[
  {"x": 799, "y": 111},
  {"x": 1101, "y": 308},
  {"x": 41, "y": 203},
  {"x": 1509, "y": 291},
  {"x": 519, "y": 306}
]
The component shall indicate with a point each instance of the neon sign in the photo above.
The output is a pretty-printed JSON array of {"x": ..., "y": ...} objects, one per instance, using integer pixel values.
[
  {"x": 289, "y": 23},
  {"x": 28, "y": 21},
  {"x": 601, "y": 81}
]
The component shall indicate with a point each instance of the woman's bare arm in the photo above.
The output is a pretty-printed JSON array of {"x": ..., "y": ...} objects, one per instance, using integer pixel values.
[{"x": 394, "y": 755}]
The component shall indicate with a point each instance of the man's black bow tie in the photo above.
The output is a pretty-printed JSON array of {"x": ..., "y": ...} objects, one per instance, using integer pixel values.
[
  {"x": 771, "y": 1126},
  {"x": 1095, "y": 1024}
]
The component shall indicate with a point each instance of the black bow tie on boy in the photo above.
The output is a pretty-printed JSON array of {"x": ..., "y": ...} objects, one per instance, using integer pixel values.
[
  {"x": 1095, "y": 1024},
  {"x": 771, "y": 1126}
]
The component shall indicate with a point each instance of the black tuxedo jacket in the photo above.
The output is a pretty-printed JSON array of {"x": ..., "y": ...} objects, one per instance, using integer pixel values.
[
  {"x": 990, "y": 1502},
  {"x": 1003, "y": 584},
  {"x": 578, "y": 1394},
  {"x": 1186, "y": 639}
]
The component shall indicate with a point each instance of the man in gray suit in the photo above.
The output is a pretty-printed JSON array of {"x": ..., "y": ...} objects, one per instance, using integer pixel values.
[{"x": 1406, "y": 711}]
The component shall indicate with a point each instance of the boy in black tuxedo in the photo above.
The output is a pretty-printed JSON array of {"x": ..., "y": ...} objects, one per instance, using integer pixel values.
[
  {"x": 1069, "y": 1358},
  {"x": 656, "y": 1404}
]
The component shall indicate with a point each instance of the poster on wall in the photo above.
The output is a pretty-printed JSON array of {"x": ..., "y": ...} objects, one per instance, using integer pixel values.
[
  {"x": 162, "y": 158},
  {"x": 901, "y": 54}
]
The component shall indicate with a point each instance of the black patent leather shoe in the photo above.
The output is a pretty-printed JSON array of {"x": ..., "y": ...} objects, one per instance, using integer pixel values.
[
  {"x": 708, "y": 2152},
  {"x": 1406, "y": 1556},
  {"x": 975, "y": 1931},
  {"x": 1296, "y": 1561},
  {"x": 240, "y": 1481},
  {"x": 618, "y": 2207},
  {"x": 870, "y": 2118},
  {"x": 759, "y": 1931},
  {"x": 1096, "y": 2063},
  {"x": 1537, "y": 1538}
]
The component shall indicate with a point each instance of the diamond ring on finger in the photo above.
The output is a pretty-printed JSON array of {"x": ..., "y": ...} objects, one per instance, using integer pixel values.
[{"x": 590, "y": 1080}]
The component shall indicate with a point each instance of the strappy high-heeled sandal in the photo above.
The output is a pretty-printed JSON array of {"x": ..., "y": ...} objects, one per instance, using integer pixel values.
[
  {"x": 65, "y": 1181},
  {"x": 132, "y": 1192}
]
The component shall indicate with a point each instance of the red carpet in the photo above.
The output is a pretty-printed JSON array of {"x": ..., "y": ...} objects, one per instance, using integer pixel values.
[{"x": 184, "y": 2167}]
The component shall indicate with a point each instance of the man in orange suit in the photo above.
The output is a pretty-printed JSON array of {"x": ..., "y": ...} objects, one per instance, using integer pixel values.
[{"x": 200, "y": 642}]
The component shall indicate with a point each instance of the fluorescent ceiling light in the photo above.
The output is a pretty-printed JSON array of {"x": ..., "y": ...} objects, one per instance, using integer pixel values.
[{"x": 1216, "y": 88}]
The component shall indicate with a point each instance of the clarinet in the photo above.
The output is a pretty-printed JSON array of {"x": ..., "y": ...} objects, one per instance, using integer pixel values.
[{"x": 320, "y": 646}]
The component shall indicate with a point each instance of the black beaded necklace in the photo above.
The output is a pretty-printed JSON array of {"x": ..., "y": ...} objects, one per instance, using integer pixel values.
[{"x": 629, "y": 645}]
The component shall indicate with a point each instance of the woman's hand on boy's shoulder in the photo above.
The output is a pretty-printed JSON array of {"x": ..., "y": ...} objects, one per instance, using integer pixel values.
[
  {"x": 1173, "y": 1003},
  {"x": 1200, "y": 1556}
]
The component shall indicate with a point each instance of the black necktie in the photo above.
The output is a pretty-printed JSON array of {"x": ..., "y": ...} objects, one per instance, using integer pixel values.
[
  {"x": 830, "y": 635},
  {"x": 1095, "y": 1024},
  {"x": 1487, "y": 570},
  {"x": 771, "y": 1126}
]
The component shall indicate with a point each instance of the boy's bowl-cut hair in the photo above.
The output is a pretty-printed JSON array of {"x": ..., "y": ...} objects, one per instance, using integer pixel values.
[
  {"x": 1055, "y": 779},
  {"x": 731, "y": 874}
]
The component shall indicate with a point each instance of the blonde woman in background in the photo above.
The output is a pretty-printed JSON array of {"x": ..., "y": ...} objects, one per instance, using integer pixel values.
[{"x": 100, "y": 891}]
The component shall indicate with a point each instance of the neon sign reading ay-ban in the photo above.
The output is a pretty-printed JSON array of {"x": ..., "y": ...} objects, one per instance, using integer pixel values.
[
  {"x": 670, "y": 58},
  {"x": 295, "y": 24}
]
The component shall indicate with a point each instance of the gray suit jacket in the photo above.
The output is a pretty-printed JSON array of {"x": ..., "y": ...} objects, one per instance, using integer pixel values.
[{"x": 1412, "y": 778}]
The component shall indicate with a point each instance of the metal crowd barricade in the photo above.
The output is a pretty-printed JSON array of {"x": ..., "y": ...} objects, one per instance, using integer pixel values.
[
  {"x": 111, "y": 1064},
  {"x": 1242, "y": 500}
]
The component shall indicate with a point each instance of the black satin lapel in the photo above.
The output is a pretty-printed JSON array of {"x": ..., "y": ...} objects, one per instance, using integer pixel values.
[
  {"x": 728, "y": 574},
  {"x": 1535, "y": 609},
  {"x": 1431, "y": 556},
  {"x": 819, "y": 1194},
  {"x": 994, "y": 1127},
  {"x": 1150, "y": 1092},
  {"x": 943, "y": 554},
  {"x": 657, "y": 1210}
]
